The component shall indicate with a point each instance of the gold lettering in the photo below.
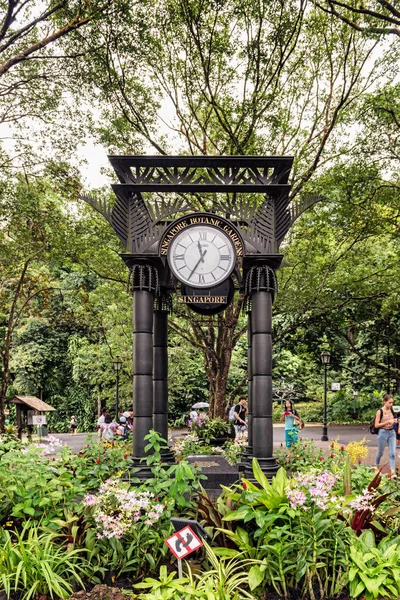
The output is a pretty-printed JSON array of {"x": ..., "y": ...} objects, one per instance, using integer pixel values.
[{"x": 203, "y": 299}]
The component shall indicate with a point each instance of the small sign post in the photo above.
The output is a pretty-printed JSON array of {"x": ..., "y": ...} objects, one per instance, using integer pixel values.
[
  {"x": 39, "y": 420},
  {"x": 335, "y": 387},
  {"x": 182, "y": 543}
]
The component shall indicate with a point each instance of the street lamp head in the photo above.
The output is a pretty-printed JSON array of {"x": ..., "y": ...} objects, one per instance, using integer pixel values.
[
  {"x": 117, "y": 363},
  {"x": 325, "y": 357}
]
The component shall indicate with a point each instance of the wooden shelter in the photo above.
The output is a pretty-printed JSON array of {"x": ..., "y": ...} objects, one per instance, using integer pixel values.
[{"x": 23, "y": 404}]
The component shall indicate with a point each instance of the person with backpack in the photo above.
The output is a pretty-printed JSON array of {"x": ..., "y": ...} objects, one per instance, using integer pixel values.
[
  {"x": 385, "y": 422},
  {"x": 239, "y": 417}
]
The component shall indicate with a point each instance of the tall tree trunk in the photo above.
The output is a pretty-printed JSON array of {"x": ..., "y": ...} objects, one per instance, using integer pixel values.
[
  {"x": 219, "y": 343},
  {"x": 5, "y": 354}
]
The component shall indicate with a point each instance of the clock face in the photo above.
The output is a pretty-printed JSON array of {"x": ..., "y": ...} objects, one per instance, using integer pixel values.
[{"x": 202, "y": 256}]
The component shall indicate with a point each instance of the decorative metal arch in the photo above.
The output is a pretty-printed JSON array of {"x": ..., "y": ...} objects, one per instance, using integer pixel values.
[{"x": 140, "y": 224}]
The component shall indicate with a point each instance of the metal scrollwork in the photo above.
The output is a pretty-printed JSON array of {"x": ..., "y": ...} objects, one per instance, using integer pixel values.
[
  {"x": 143, "y": 278},
  {"x": 259, "y": 278},
  {"x": 163, "y": 302}
]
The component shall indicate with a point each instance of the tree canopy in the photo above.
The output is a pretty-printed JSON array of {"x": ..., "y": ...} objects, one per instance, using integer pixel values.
[{"x": 318, "y": 80}]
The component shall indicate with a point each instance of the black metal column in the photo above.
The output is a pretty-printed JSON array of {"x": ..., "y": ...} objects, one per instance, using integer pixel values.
[
  {"x": 249, "y": 384},
  {"x": 245, "y": 462},
  {"x": 261, "y": 286},
  {"x": 144, "y": 283},
  {"x": 163, "y": 306},
  {"x": 143, "y": 369}
]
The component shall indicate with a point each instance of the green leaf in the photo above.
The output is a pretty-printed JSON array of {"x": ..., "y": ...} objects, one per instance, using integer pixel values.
[
  {"x": 259, "y": 475},
  {"x": 255, "y": 577}
]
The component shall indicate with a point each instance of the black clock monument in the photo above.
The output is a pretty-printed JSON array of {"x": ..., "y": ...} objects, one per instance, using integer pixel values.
[{"x": 203, "y": 256}]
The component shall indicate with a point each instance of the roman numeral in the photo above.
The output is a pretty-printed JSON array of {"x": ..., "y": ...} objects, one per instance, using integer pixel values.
[
  {"x": 203, "y": 236},
  {"x": 178, "y": 256},
  {"x": 225, "y": 257},
  {"x": 201, "y": 278}
]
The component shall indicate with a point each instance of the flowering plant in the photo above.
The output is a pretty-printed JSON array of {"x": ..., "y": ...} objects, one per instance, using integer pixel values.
[
  {"x": 313, "y": 489},
  {"x": 189, "y": 445},
  {"x": 118, "y": 510},
  {"x": 233, "y": 450}
]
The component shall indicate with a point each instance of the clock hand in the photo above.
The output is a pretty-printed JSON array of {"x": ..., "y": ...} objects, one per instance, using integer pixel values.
[
  {"x": 201, "y": 259},
  {"x": 201, "y": 254}
]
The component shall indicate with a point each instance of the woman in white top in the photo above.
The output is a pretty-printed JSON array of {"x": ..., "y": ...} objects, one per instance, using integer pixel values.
[{"x": 384, "y": 422}]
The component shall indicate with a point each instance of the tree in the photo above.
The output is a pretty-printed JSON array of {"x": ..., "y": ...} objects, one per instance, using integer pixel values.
[
  {"x": 372, "y": 17},
  {"x": 342, "y": 287},
  {"x": 33, "y": 84},
  {"x": 236, "y": 78},
  {"x": 44, "y": 299}
]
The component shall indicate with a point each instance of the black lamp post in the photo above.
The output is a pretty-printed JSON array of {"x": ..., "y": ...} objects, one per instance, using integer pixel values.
[
  {"x": 117, "y": 363},
  {"x": 355, "y": 394},
  {"x": 325, "y": 359}
]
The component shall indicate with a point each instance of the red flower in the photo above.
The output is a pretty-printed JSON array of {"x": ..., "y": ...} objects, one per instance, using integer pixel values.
[
  {"x": 321, "y": 458},
  {"x": 332, "y": 444},
  {"x": 179, "y": 460},
  {"x": 125, "y": 456},
  {"x": 195, "y": 465},
  {"x": 342, "y": 448},
  {"x": 98, "y": 460},
  {"x": 156, "y": 499},
  {"x": 331, "y": 456},
  {"x": 244, "y": 484}
]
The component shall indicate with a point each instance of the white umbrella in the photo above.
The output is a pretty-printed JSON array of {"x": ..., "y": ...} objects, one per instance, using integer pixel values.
[{"x": 201, "y": 405}]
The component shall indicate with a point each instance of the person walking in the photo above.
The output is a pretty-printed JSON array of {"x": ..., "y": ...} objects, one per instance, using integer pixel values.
[
  {"x": 385, "y": 422},
  {"x": 73, "y": 425},
  {"x": 239, "y": 418},
  {"x": 292, "y": 424}
]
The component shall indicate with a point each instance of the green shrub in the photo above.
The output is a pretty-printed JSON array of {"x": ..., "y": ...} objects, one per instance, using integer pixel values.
[
  {"x": 212, "y": 428},
  {"x": 33, "y": 565}
]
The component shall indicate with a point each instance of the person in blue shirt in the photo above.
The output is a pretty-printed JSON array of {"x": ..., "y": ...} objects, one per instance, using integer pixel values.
[{"x": 292, "y": 423}]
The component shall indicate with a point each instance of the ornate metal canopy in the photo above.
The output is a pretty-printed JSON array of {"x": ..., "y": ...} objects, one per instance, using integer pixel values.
[{"x": 140, "y": 224}]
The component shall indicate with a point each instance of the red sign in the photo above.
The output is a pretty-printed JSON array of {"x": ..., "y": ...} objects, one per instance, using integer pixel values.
[{"x": 183, "y": 542}]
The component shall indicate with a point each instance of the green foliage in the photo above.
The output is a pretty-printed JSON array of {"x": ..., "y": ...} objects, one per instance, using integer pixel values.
[
  {"x": 233, "y": 450},
  {"x": 300, "y": 549},
  {"x": 39, "y": 489},
  {"x": 224, "y": 579},
  {"x": 212, "y": 428},
  {"x": 175, "y": 484},
  {"x": 300, "y": 456},
  {"x": 191, "y": 444},
  {"x": 33, "y": 564},
  {"x": 375, "y": 570}
]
